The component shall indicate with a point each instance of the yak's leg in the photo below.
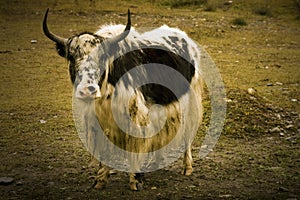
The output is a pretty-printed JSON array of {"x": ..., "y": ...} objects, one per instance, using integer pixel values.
[
  {"x": 95, "y": 163},
  {"x": 136, "y": 182},
  {"x": 102, "y": 177},
  {"x": 187, "y": 162}
]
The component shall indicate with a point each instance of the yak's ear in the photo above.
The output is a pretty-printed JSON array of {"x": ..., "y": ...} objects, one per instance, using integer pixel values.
[{"x": 61, "y": 50}]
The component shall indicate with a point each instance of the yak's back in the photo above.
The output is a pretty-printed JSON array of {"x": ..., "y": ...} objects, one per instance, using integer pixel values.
[{"x": 163, "y": 46}]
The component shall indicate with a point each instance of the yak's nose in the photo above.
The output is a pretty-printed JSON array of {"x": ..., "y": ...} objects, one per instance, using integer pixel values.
[
  {"x": 89, "y": 92},
  {"x": 92, "y": 89}
]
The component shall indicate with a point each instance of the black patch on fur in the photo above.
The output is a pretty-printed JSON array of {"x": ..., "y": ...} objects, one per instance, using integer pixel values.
[
  {"x": 72, "y": 69},
  {"x": 153, "y": 92},
  {"x": 173, "y": 39},
  {"x": 61, "y": 50},
  {"x": 72, "y": 74}
]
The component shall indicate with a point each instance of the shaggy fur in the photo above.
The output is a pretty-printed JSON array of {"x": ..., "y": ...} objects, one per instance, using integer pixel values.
[{"x": 96, "y": 69}]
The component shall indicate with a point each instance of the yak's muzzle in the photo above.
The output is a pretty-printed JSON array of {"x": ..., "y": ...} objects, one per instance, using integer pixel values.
[{"x": 89, "y": 92}]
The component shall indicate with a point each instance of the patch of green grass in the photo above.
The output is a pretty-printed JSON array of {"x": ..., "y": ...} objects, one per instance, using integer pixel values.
[
  {"x": 239, "y": 22},
  {"x": 210, "y": 7},
  {"x": 297, "y": 5},
  {"x": 182, "y": 3},
  {"x": 264, "y": 11}
]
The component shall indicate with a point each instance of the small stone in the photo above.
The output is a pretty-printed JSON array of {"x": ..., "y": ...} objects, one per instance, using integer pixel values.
[
  {"x": 294, "y": 100},
  {"x": 278, "y": 116},
  {"x": 6, "y": 180},
  {"x": 19, "y": 183},
  {"x": 225, "y": 195},
  {"x": 153, "y": 188},
  {"x": 283, "y": 189},
  {"x": 187, "y": 196},
  {"x": 278, "y": 83},
  {"x": 269, "y": 84},
  {"x": 251, "y": 90},
  {"x": 33, "y": 41},
  {"x": 227, "y": 3},
  {"x": 43, "y": 121},
  {"x": 228, "y": 100},
  {"x": 291, "y": 138},
  {"x": 289, "y": 126},
  {"x": 276, "y": 129},
  {"x": 281, "y": 134}
]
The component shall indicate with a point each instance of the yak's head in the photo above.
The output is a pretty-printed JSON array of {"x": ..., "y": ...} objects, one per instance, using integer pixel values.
[{"x": 84, "y": 64}]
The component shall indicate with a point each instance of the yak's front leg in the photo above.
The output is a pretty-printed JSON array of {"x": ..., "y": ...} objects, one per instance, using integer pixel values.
[
  {"x": 136, "y": 181},
  {"x": 187, "y": 162},
  {"x": 102, "y": 177}
]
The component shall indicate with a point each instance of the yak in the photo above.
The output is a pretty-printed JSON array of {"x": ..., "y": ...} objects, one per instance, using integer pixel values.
[{"x": 135, "y": 76}]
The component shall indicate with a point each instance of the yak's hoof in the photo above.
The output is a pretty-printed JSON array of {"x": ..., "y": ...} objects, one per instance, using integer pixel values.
[
  {"x": 99, "y": 185},
  {"x": 187, "y": 171},
  {"x": 136, "y": 186}
]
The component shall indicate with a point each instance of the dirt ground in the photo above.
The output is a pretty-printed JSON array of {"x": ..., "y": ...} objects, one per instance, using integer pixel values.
[{"x": 258, "y": 153}]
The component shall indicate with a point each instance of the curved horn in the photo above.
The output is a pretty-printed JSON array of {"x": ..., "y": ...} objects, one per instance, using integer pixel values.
[
  {"x": 123, "y": 35},
  {"x": 50, "y": 35}
]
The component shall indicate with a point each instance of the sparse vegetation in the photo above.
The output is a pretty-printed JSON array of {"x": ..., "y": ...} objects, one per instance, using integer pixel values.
[
  {"x": 239, "y": 22},
  {"x": 183, "y": 3},
  {"x": 264, "y": 11},
  {"x": 210, "y": 7},
  {"x": 297, "y": 3}
]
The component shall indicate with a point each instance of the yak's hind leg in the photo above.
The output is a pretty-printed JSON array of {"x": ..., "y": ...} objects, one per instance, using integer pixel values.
[
  {"x": 187, "y": 162},
  {"x": 136, "y": 181},
  {"x": 102, "y": 177}
]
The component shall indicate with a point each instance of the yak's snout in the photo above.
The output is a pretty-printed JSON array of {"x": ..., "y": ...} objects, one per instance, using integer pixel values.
[{"x": 88, "y": 92}]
